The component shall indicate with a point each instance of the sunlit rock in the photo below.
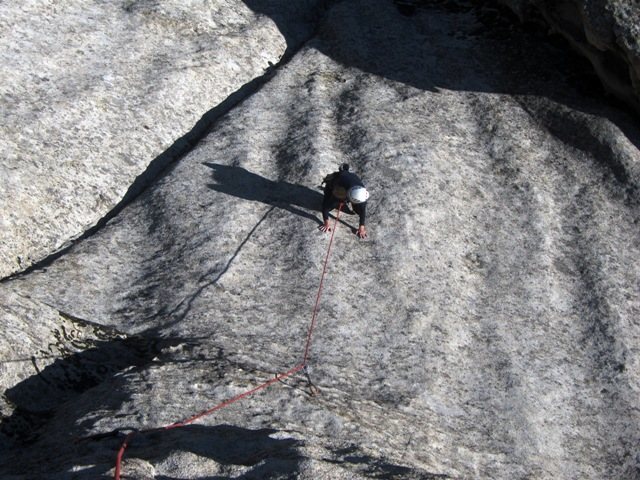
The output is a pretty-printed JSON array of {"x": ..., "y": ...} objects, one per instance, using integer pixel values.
[{"x": 487, "y": 328}]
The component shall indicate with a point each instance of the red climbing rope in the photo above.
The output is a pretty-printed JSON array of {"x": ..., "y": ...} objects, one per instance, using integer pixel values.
[
  {"x": 262, "y": 386},
  {"x": 324, "y": 272}
]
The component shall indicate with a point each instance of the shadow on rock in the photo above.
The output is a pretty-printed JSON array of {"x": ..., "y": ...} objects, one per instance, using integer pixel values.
[
  {"x": 238, "y": 182},
  {"x": 351, "y": 458},
  {"x": 458, "y": 45},
  {"x": 293, "y": 19},
  {"x": 37, "y": 398},
  {"x": 226, "y": 445}
]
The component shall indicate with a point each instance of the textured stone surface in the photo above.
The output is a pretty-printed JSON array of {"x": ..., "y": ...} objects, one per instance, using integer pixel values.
[
  {"x": 607, "y": 32},
  {"x": 92, "y": 92},
  {"x": 486, "y": 329}
]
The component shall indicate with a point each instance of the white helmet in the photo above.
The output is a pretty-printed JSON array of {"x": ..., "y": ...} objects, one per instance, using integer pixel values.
[{"x": 358, "y": 194}]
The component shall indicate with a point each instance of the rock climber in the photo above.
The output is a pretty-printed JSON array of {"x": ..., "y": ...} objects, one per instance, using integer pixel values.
[{"x": 344, "y": 187}]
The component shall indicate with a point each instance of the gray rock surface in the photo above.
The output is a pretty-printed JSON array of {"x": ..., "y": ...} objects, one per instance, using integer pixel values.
[
  {"x": 487, "y": 328},
  {"x": 93, "y": 92},
  {"x": 607, "y": 32}
]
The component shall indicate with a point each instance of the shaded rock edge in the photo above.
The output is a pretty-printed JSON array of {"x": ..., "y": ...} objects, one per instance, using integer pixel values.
[{"x": 606, "y": 32}]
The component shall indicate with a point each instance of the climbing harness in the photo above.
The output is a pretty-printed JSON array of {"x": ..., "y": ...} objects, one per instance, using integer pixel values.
[{"x": 277, "y": 378}]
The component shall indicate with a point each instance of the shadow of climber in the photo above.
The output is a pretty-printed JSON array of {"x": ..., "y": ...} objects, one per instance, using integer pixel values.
[{"x": 241, "y": 183}]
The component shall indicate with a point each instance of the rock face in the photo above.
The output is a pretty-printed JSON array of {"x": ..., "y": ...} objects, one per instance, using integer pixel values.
[
  {"x": 93, "y": 92},
  {"x": 487, "y": 328},
  {"x": 607, "y": 32}
]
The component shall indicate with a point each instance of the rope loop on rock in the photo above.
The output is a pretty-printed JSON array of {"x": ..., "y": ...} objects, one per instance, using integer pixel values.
[{"x": 302, "y": 366}]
